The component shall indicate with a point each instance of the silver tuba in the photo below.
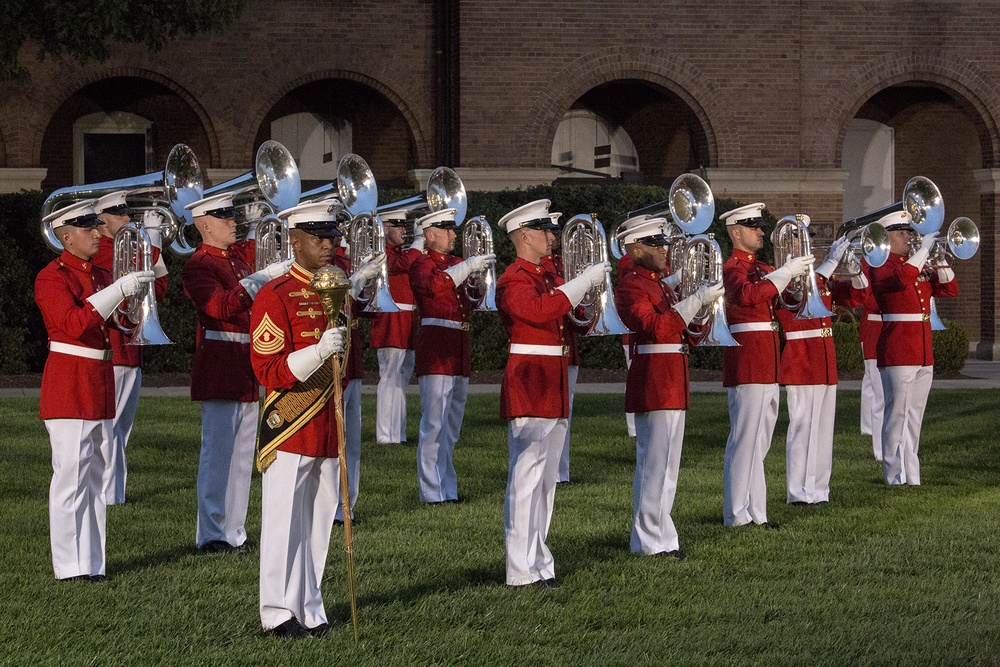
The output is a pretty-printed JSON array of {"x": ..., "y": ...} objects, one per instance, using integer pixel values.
[
  {"x": 791, "y": 239},
  {"x": 167, "y": 192},
  {"x": 689, "y": 203},
  {"x": 133, "y": 251},
  {"x": 584, "y": 243},
  {"x": 701, "y": 266},
  {"x": 480, "y": 286},
  {"x": 271, "y": 186}
]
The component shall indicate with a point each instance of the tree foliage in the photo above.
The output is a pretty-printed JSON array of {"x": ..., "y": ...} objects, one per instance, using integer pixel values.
[{"x": 86, "y": 30}]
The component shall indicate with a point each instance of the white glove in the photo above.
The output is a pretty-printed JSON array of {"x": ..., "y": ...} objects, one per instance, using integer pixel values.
[
  {"x": 829, "y": 265},
  {"x": 106, "y": 300},
  {"x": 673, "y": 280},
  {"x": 418, "y": 239},
  {"x": 461, "y": 271},
  {"x": 159, "y": 267},
  {"x": 303, "y": 363},
  {"x": 793, "y": 267},
  {"x": 255, "y": 281},
  {"x": 577, "y": 288},
  {"x": 690, "y": 306},
  {"x": 859, "y": 281},
  {"x": 366, "y": 272},
  {"x": 253, "y": 212},
  {"x": 919, "y": 258},
  {"x": 945, "y": 275},
  {"x": 152, "y": 222}
]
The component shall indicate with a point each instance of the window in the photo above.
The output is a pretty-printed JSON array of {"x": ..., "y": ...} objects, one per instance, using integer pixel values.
[
  {"x": 110, "y": 146},
  {"x": 316, "y": 143},
  {"x": 869, "y": 158},
  {"x": 586, "y": 144}
]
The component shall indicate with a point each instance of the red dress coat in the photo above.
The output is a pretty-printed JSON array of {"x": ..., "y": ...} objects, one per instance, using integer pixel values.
[
  {"x": 750, "y": 298},
  {"x": 903, "y": 289},
  {"x": 355, "y": 363},
  {"x": 813, "y": 360},
  {"x": 288, "y": 316},
  {"x": 870, "y": 325},
  {"x": 74, "y": 387},
  {"x": 657, "y": 381},
  {"x": 397, "y": 329},
  {"x": 533, "y": 312},
  {"x": 220, "y": 369},
  {"x": 441, "y": 350},
  {"x": 124, "y": 354}
]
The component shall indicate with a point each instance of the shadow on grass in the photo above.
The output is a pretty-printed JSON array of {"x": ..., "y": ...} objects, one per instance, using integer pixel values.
[{"x": 157, "y": 558}]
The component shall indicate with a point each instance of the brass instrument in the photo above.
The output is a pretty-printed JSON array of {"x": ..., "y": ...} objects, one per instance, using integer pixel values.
[
  {"x": 480, "y": 286},
  {"x": 444, "y": 190},
  {"x": 689, "y": 207},
  {"x": 270, "y": 187},
  {"x": 921, "y": 199},
  {"x": 133, "y": 251},
  {"x": 961, "y": 242},
  {"x": 701, "y": 266},
  {"x": 584, "y": 243},
  {"x": 791, "y": 239},
  {"x": 167, "y": 192}
]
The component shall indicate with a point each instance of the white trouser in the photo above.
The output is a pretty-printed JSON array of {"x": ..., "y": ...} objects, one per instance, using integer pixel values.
[
  {"x": 872, "y": 406},
  {"x": 352, "y": 431},
  {"x": 228, "y": 436},
  {"x": 395, "y": 366},
  {"x": 629, "y": 416},
  {"x": 533, "y": 445},
  {"x": 128, "y": 382},
  {"x": 906, "y": 389},
  {"x": 299, "y": 496},
  {"x": 753, "y": 410},
  {"x": 658, "y": 439},
  {"x": 442, "y": 405},
  {"x": 77, "y": 509},
  {"x": 809, "y": 443},
  {"x": 574, "y": 372}
]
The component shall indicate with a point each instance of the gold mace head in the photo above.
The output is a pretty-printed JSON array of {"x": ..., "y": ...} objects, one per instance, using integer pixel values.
[{"x": 331, "y": 285}]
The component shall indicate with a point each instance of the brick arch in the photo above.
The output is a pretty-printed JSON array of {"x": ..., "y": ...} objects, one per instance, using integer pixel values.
[
  {"x": 975, "y": 92},
  {"x": 47, "y": 106},
  {"x": 651, "y": 65},
  {"x": 250, "y": 127}
]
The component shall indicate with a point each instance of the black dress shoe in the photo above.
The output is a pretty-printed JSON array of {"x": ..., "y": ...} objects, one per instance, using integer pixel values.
[
  {"x": 456, "y": 501},
  {"x": 770, "y": 525},
  {"x": 290, "y": 629},
  {"x": 547, "y": 583},
  {"x": 319, "y": 630},
  {"x": 340, "y": 522},
  {"x": 216, "y": 547},
  {"x": 676, "y": 553},
  {"x": 97, "y": 578},
  {"x": 87, "y": 578}
]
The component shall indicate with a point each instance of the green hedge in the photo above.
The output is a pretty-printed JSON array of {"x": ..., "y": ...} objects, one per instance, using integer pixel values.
[{"x": 23, "y": 253}]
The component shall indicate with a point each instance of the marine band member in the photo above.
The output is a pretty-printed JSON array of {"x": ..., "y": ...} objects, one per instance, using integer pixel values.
[
  {"x": 299, "y": 448},
  {"x": 113, "y": 210},
  {"x": 77, "y": 403},
  {"x": 221, "y": 285},
  {"x": 903, "y": 288},
  {"x": 750, "y": 371},
  {"x": 657, "y": 390},
  {"x": 443, "y": 354},
  {"x": 534, "y": 396}
]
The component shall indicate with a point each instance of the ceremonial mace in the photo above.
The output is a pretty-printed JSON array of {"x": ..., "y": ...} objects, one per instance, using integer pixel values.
[{"x": 331, "y": 285}]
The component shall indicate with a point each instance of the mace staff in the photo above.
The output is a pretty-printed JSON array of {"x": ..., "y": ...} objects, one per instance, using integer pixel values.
[{"x": 331, "y": 284}]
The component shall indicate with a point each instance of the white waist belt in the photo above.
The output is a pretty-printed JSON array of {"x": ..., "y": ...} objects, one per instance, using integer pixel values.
[
  {"x": 874, "y": 317},
  {"x": 449, "y": 324},
  {"x": 906, "y": 317},
  {"x": 228, "y": 336},
  {"x": 80, "y": 351},
  {"x": 405, "y": 306},
  {"x": 825, "y": 332},
  {"x": 661, "y": 348},
  {"x": 753, "y": 326},
  {"x": 539, "y": 350}
]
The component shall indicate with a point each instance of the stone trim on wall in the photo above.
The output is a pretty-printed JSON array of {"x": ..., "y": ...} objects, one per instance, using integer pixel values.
[
  {"x": 730, "y": 182},
  {"x": 15, "y": 179}
]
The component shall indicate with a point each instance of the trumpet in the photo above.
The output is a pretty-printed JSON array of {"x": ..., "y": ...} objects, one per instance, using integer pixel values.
[
  {"x": 133, "y": 251},
  {"x": 584, "y": 243},
  {"x": 167, "y": 192},
  {"x": 480, "y": 286},
  {"x": 791, "y": 239},
  {"x": 701, "y": 266}
]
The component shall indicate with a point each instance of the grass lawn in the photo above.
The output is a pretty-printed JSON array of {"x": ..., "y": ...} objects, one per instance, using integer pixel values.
[{"x": 897, "y": 576}]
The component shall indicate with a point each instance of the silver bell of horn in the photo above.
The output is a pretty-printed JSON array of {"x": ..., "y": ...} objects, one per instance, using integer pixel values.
[
  {"x": 791, "y": 239},
  {"x": 480, "y": 286},
  {"x": 584, "y": 243}
]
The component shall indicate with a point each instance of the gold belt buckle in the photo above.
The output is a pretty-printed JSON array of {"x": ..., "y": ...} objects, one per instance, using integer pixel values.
[
  {"x": 926, "y": 317},
  {"x": 826, "y": 332},
  {"x": 465, "y": 326},
  {"x": 774, "y": 325},
  {"x": 565, "y": 350}
]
